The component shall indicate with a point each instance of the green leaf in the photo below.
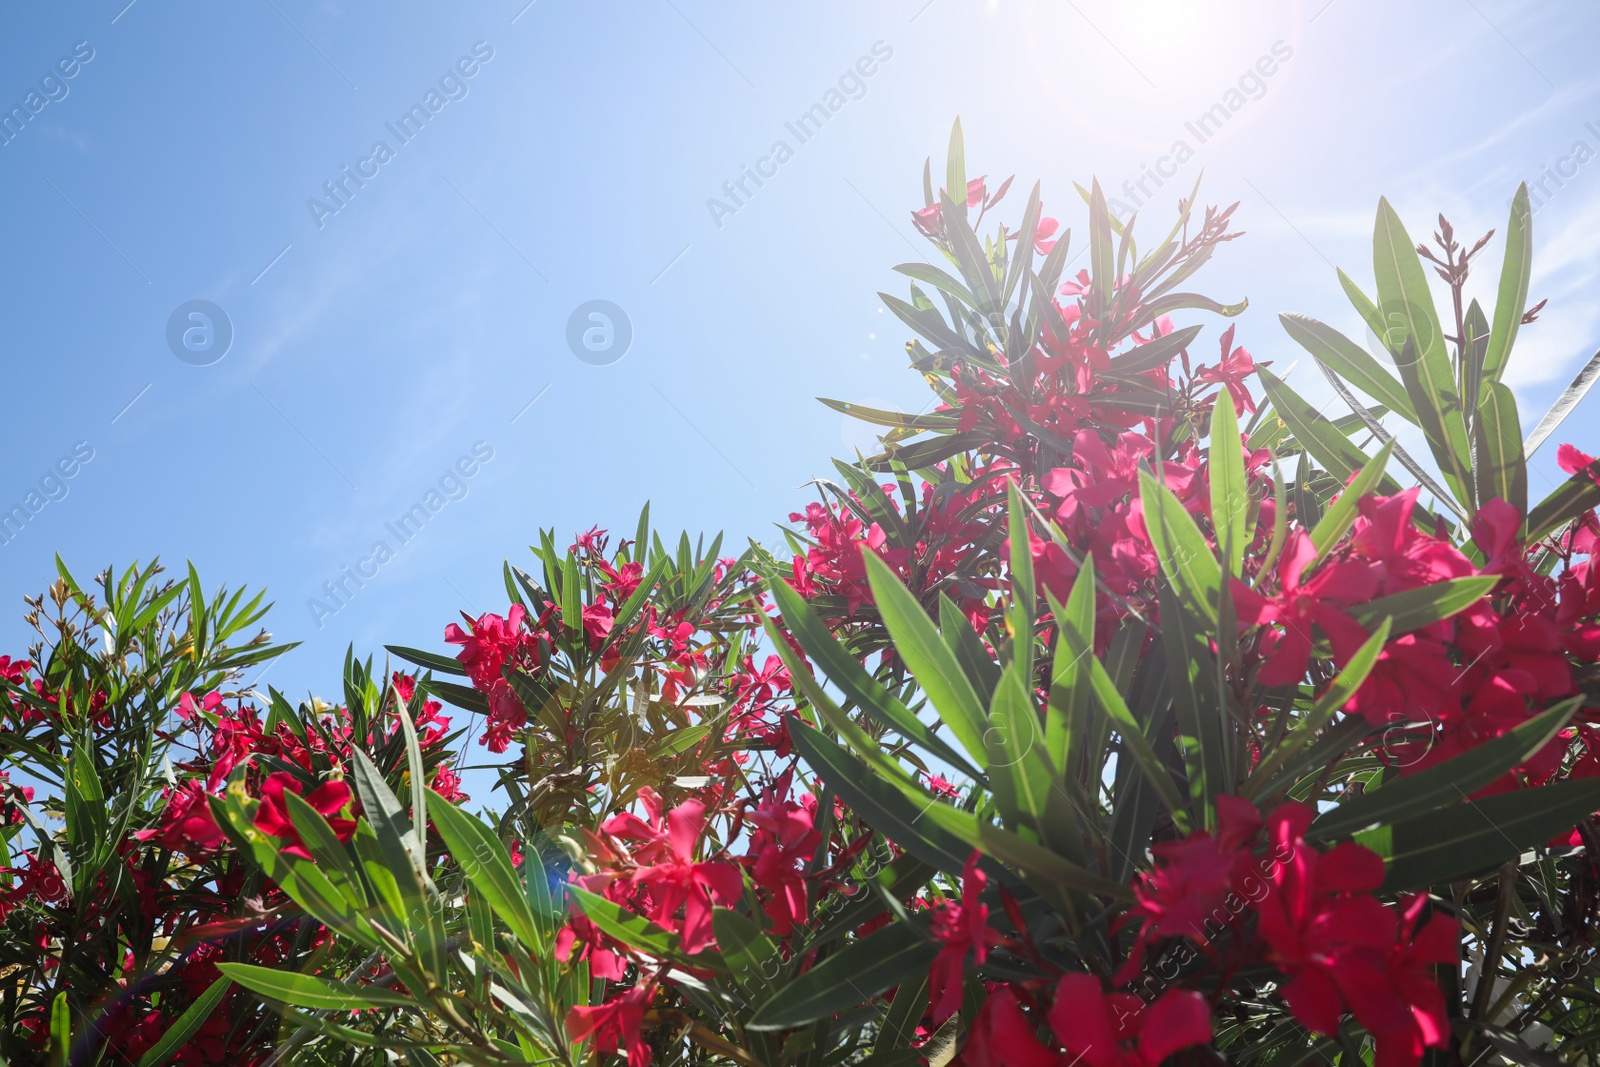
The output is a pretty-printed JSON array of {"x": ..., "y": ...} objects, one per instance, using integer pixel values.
[
  {"x": 487, "y": 866},
  {"x": 547, "y": 901},
  {"x": 1040, "y": 862},
  {"x": 1102, "y": 264},
  {"x": 929, "y": 324},
  {"x": 1186, "y": 559},
  {"x": 1024, "y": 595},
  {"x": 883, "y": 806},
  {"x": 460, "y": 696},
  {"x": 301, "y": 879},
  {"x": 1336, "y": 696},
  {"x": 929, "y": 659},
  {"x": 415, "y": 769},
  {"x": 1320, "y": 438},
  {"x": 846, "y": 671},
  {"x": 680, "y": 740},
  {"x": 1417, "y": 341},
  {"x": 428, "y": 660},
  {"x": 1512, "y": 300},
  {"x": 955, "y": 174},
  {"x": 309, "y": 991},
  {"x": 901, "y": 1021},
  {"x": 937, "y": 278},
  {"x": 1350, "y": 361},
  {"x": 60, "y": 1030},
  {"x": 969, "y": 255},
  {"x": 1566, "y": 502},
  {"x": 896, "y": 419},
  {"x": 1132, "y": 731},
  {"x": 186, "y": 1024},
  {"x": 1019, "y": 774},
  {"x": 1363, "y": 304},
  {"x": 1342, "y": 514},
  {"x": 1156, "y": 353},
  {"x": 1416, "y": 608},
  {"x": 325, "y": 847},
  {"x": 751, "y": 956},
  {"x": 1022, "y": 260},
  {"x": 850, "y": 977},
  {"x": 1500, "y": 469},
  {"x": 635, "y": 930},
  {"x": 1192, "y": 667},
  {"x": 1230, "y": 489},
  {"x": 1446, "y": 783},
  {"x": 1066, "y": 718},
  {"x": 970, "y": 651},
  {"x": 1453, "y": 843},
  {"x": 1171, "y": 302}
]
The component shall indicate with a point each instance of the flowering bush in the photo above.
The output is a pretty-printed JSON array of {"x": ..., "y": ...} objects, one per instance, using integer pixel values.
[{"x": 1070, "y": 727}]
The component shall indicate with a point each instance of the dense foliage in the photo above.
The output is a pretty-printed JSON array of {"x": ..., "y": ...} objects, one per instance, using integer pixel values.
[{"x": 1125, "y": 709}]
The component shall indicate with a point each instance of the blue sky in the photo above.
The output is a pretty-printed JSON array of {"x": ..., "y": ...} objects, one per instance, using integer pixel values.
[{"x": 374, "y": 347}]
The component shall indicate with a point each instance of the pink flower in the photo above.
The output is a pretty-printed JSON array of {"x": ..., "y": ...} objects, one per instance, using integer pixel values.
[
  {"x": 784, "y": 842},
  {"x": 963, "y": 927},
  {"x": 615, "y": 1024},
  {"x": 1192, "y": 880},
  {"x": 1002, "y": 1036},
  {"x": 485, "y": 652},
  {"x": 675, "y": 880},
  {"x": 1119, "y": 1030},
  {"x": 1302, "y": 602},
  {"x": 329, "y": 800},
  {"x": 1344, "y": 950},
  {"x": 188, "y": 711},
  {"x": 1231, "y": 372},
  {"x": 1044, "y": 239},
  {"x": 187, "y": 825},
  {"x": 1572, "y": 461}
]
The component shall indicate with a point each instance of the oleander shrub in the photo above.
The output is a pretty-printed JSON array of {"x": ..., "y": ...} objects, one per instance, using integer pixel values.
[{"x": 1127, "y": 708}]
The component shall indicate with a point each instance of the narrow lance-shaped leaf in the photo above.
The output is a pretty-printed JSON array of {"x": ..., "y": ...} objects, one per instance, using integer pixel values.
[
  {"x": 1314, "y": 433},
  {"x": 1185, "y": 557},
  {"x": 1512, "y": 299},
  {"x": 1416, "y": 608},
  {"x": 309, "y": 991},
  {"x": 860, "y": 971},
  {"x": 1452, "y": 843},
  {"x": 1341, "y": 515},
  {"x": 1445, "y": 783},
  {"x": 1019, "y": 614},
  {"x": 1102, "y": 266},
  {"x": 186, "y": 1025},
  {"x": 846, "y": 671},
  {"x": 1066, "y": 717},
  {"x": 1501, "y": 470},
  {"x": 930, "y": 660},
  {"x": 1333, "y": 698},
  {"x": 1230, "y": 491},
  {"x": 1416, "y": 338},
  {"x": 487, "y": 866},
  {"x": 1132, "y": 731},
  {"x": 1350, "y": 361}
]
